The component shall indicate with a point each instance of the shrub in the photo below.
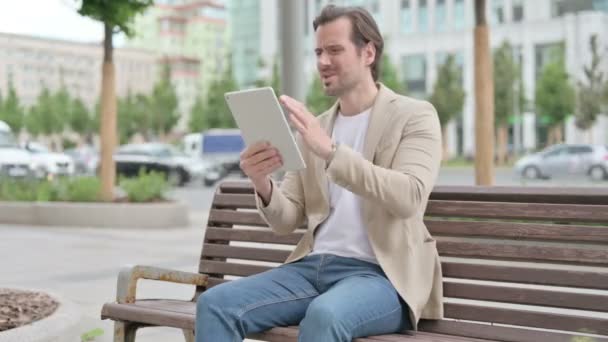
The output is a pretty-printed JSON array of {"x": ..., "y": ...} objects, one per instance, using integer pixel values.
[
  {"x": 81, "y": 189},
  {"x": 147, "y": 187}
]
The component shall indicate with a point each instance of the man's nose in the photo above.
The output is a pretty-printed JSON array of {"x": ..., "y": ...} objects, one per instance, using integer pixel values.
[{"x": 323, "y": 59}]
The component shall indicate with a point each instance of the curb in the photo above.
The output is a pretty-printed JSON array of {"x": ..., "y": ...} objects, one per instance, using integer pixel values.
[
  {"x": 54, "y": 328},
  {"x": 101, "y": 215}
]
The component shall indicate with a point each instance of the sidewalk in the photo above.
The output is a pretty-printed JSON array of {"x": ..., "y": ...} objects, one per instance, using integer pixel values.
[{"x": 81, "y": 264}]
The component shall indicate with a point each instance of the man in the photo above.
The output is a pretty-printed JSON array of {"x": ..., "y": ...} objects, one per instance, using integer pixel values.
[{"x": 367, "y": 264}]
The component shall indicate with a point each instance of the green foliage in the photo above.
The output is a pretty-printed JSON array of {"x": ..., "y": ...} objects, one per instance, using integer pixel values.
[
  {"x": 147, "y": 187},
  {"x": 11, "y": 111},
  {"x": 197, "y": 119},
  {"x": 215, "y": 112},
  {"x": 448, "y": 94},
  {"x": 119, "y": 14},
  {"x": 80, "y": 189},
  {"x": 91, "y": 335},
  {"x": 389, "y": 76},
  {"x": 79, "y": 119},
  {"x": 85, "y": 189},
  {"x": 506, "y": 78},
  {"x": 275, "y": 78},
  {"x": 590, "y": 92},
  {"x": 163, "y": 103},
  {"x": 41, "y": 118},
  {"x": 316, "y": 100},
  {"x": 554, "y": 93}
]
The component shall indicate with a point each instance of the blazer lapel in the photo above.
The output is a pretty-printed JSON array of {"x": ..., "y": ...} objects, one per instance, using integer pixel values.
[{"x": 379, "y": 119}]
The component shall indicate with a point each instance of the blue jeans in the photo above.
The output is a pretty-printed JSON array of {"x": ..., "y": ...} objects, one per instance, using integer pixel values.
[{"x": 332, "y": 299}]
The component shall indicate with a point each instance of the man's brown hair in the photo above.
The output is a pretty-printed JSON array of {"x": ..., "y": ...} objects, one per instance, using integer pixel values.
[{"x": 364, "y": 29}]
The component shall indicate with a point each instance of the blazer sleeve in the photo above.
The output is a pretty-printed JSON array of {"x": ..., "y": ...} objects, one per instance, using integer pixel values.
[
  {"x": 285, "y": 210},
  {"x": 404, "y": 187}
]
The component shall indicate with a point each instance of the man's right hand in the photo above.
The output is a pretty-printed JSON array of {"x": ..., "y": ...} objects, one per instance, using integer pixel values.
[{"x": 258, "y": 162}]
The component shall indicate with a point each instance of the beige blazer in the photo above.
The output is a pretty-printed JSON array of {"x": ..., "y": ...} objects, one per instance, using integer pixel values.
[{"x": 394, "y": 176}]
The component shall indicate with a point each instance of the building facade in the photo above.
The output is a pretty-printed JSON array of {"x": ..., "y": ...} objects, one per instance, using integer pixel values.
[
  {"x": 32, "y": 63},
  {"x": 420, "y": 34},
  {"x": 255, "y": 39},
  {"x": 192, "y": 36}
]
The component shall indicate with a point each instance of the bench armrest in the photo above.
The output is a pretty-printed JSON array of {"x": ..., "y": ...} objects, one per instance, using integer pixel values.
[{"x": 128, "y": 276}]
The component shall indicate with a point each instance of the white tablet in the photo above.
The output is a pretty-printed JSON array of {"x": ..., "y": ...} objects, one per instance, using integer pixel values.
[{"x": 258, "y": 114}]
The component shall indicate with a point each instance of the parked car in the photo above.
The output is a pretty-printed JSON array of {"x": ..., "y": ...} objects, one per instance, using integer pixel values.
[
  {"x": 14, "y": 161},
  {"x": 48, "y": 164},
  {"x": 86, "y": 159},
  {"x": 177, "y": 166},
  {"x": 565, "y": 160}
]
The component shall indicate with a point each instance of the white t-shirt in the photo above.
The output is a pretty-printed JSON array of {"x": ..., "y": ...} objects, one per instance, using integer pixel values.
[{"x": 344, "y": 233}]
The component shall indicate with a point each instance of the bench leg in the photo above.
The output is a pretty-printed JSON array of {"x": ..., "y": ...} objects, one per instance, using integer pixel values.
[
  {"x": 188, "y": 335},
  {"x": 124, "y": 332}
]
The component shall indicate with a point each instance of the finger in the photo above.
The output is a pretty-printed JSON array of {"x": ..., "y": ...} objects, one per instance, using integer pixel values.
[
  {"x": 261, "y": 156},
  {"x": 260, "y": 168},
  {"x": 255, "y": 148}
]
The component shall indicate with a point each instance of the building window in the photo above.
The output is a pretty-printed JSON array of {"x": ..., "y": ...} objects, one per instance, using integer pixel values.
[
  {"x": 414, "y": 69},
  {"x": 459, "y": 18},
  {"x": 600, "y": 5},
  {"x": 545, "y": 54},
  {"x": 423, "y": 16},
  {"x": 407, "y": 25},
  {"x": 518, "y": 10},
  {"x": 498, "y": 15},
  {"x": 440, "y": 15}
]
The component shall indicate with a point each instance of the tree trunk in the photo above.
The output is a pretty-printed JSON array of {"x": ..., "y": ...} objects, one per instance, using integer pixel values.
[
  {"x": 484, "y": 100},
  {"x": 444, "y": 140},
  {"x": 503, "y": 141},
  {"x": 108, "y": 119}
]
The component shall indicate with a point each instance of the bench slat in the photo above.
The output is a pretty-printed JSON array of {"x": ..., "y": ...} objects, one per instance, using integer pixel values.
[
  {"x": 526, "y": 275},
  {"x": 557, "y": 299},
  {"x": 258, "y": 254},
  {"x": 519, "y": 231},
  {"x": 527, "y": 211},
  {"x": 521, "y": 317},
  {"x": 233, "y": 201},
  {"x": 583, "y": 256},
  {"x": 236, "y": 217},
  {"x": 249, "y": 235}
]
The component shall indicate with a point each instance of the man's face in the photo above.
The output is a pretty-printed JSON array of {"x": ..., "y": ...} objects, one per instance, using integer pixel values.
[{"x": 340, "y": 63}]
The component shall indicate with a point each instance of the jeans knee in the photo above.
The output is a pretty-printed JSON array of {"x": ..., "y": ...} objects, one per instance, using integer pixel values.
[{"x": 323, "y": 323}]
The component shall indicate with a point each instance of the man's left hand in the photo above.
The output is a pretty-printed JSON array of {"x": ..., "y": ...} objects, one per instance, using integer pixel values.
[{"x": 309, "y": 127}]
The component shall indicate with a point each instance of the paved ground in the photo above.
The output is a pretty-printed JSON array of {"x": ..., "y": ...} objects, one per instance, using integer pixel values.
[{"x": 81, "y": 264}]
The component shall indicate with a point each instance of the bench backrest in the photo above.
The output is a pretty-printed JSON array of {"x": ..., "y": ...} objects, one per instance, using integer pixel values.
[{"x": 526, "y": 257}]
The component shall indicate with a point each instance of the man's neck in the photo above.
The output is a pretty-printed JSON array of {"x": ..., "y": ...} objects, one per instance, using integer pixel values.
[{"x": 358, "y": 99}]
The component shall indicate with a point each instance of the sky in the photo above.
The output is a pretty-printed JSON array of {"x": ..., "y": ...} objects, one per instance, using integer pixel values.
[{"x": 49, "y": 19}]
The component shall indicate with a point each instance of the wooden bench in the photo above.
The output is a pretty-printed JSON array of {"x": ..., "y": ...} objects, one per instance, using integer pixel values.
[{"x": 520, "y": 264}]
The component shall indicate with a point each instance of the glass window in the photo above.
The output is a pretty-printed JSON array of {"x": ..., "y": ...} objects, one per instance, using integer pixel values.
[
  {"x": 423, "y": 16},
  {"x": 459, "y": 19},
  {"x": 440, "y": 15},
  {"x": 498, "y": 16},
  {"x": 414, "y": 69},
  {"x": 518, "y": 10},
  {"x": 600, "y": 5},
  {"x": 407, "y": 25}
]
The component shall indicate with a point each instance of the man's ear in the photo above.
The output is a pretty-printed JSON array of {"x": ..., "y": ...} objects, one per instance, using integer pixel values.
[{"x": 370, "y": 53}]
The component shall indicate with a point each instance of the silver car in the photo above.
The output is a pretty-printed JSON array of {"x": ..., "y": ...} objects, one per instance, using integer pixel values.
[{"x": 565, "y": 160}]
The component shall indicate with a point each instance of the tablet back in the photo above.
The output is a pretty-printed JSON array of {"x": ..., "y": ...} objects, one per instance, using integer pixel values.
[{"x": 259, "y": 116}]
